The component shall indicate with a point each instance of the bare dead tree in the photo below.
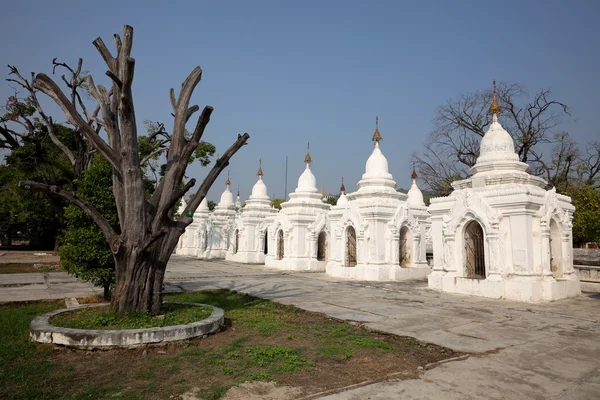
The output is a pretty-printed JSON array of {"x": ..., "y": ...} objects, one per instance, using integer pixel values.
[
  {"x": 148, "y": 230},
  {"x": 460, "y": 124},
  {"x": 588, "y": 171},
  {"x": 563, "y": 162}
]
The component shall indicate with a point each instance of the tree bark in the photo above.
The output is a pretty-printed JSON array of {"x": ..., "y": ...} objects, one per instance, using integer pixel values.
[{"x": 140, "y": 276}]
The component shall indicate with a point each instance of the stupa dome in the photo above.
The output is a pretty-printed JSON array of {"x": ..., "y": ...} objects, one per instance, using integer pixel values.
[
  {"x": 415, "y": 196},
  {"x": 227, "y": 196},
  {"x": 307, "y": 181},
  {"x": 497, "y": 144},
  {"x": 259, "y": 190},
  {"x": 377, "y": 164},
  {"x": 203, "y": 205}
]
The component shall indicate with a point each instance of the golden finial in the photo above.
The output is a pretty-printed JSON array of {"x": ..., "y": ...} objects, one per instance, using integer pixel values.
[
  {"x": 495, "y": 107},
  {"x": 323, "y": 192},
  {"x": 376, "y": 135},
  {"x": 259, "y": 173},
  {"x": 307, "y": 158},
  {"x": 228, "y": 182},
  {"x": 413, "y": 176},
  {"x": 343, "y": 188}
]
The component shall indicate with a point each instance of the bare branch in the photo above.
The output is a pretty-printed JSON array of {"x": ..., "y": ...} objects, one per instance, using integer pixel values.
[
  {"x": 87, "y": 208},
  {"x": 44, "y": 83},
  {"x": 153, "y": 154},
  {"x": 219, "y": 166},
  {"x": 47, "y": 121}
]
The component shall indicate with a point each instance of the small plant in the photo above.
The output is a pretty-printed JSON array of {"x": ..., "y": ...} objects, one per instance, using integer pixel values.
[
  {"x": 278, "y": 359},
  {"x": 370, "y": 342}
]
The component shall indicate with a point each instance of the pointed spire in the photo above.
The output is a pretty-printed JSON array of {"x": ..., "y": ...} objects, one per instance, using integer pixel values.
[
  {"x": 413, "y": 176},
  {"x": 494, "y": 107},
  {"x": 228, "y": 182},
  {"x": 343, "y": 188},
  {"x": 376, "y": 135},
  {"x": 259, "y": 173},
  {"x": 323, "y": 192},
  {"x": 307, "y": 158}
]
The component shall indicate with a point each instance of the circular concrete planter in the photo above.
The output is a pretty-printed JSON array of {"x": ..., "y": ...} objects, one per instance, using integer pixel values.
[{"x": 41, "y": 331}]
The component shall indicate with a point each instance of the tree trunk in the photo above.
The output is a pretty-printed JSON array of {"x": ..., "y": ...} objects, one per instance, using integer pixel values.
[
  {"x": 106, "y": 292},
  {"x": 139, "y": 276}
]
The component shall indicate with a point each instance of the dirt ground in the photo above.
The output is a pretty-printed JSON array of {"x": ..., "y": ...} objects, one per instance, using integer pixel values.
[{"x": 12, "y": 262}]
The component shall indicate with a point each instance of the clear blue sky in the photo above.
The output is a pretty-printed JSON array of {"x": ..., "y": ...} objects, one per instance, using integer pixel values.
[{"x": 292, "y": 72}]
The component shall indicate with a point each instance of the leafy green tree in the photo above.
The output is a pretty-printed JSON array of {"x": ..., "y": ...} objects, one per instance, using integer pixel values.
[
  {"x": 211, "y": 205},
  {"x": 332, "y": 200},
  {"x": 586, "y": 221},
  {"x": 277, "y": 203},
  {"x": 84, "y": 251},
  {"x": 36, "y": 216}
]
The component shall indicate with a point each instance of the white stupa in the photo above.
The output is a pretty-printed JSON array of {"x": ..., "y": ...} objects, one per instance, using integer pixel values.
[
  {"x": 221, "y": 224},
  {"x": 250, "y": 231},
  {"x": 299, "y": 232},
  {"x": 500, "y": 234},
  {"x": 375, "y": 220}
]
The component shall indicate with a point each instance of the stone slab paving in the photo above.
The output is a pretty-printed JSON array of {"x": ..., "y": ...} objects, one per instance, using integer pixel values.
[
  {"x": 43, "y": 286},
  {"x": 535, "y": 351}
]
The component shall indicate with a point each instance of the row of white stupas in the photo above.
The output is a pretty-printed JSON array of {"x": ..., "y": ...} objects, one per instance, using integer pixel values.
[{"x": 500, "y": 234}]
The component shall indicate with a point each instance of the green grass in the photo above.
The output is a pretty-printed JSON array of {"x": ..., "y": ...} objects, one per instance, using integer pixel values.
[
  {"x": 25, "y": 372},
  {"x": 104, "y": 318},
  {"x": 277, "y": 359}
]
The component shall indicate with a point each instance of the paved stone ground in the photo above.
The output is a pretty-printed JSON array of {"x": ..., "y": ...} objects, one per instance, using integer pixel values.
[
  {"x": 43, "y": 286},
  {"x": 543, "y": 351}
]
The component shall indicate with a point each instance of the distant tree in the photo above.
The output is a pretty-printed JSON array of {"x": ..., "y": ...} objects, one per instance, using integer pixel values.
[
  {"x": 277, "y": 203},
  {"x": 84, "y": 251},
  {"x": 148, "y": 231},
  {"x": 211, "y": 205},
  {"x": 332, "y": 200},
  {"x": 586, "y": 221},
  {"x": 151, "y": 147},
  {"x": 32, "y": 155},
  {"x": 23, "y": 214}
]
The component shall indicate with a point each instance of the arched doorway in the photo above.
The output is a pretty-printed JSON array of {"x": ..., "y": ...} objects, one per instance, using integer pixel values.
[
  {"x": 474, "y": 251},
  {"x": 266, "y": 242},
  {"x": 555, "y": 250},
  {"x": 236, "y": 241},
  {"x": 280, "y": 253},
  {"x": 350, "y": 247},
  {"x": 404, "y": 247},
  {"x": 322, "y": 246},
  {"x": 205, "y": 243}
]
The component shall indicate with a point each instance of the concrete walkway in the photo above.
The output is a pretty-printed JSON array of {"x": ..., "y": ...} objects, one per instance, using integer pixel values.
[
  {"x": 43, "y": 286},
  {"x": 544, "y": 351}
]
